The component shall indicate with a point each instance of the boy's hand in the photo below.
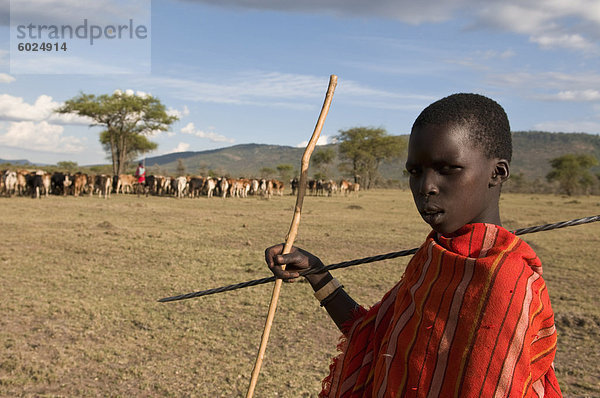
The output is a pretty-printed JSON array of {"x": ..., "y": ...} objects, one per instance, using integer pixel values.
[{"x": 297, "y": 260}]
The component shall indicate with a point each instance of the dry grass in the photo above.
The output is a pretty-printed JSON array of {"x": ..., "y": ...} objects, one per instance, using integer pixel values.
[{"x": 81, "y": 276}]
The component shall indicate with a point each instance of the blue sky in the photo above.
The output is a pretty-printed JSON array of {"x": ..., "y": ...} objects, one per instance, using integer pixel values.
[{"x": 255, "y": 71}]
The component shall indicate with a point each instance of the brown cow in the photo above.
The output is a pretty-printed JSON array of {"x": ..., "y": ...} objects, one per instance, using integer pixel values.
[
  {"x": 344, "y": 187},
  {"x": 22, "y": 182},
  {"x": 266, "y": 187},
  {"x": 126, "y": 181},
  {"x": 278, "y": 187},
  {"x": 80, "y": 181}
]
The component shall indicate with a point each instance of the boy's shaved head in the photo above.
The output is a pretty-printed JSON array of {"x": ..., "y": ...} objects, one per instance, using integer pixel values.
[{"x": 483, "y": 117}]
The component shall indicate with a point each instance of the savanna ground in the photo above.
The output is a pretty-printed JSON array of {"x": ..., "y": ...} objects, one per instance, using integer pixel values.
[{"x": 81, "y": 276}]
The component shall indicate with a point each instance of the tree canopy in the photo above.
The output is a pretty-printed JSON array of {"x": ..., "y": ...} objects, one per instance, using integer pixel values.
[
  {"x": 128, "y": 119},
  {"x": 364, "y": 148},
  {"x": 322, "y": 159},
  {"x": 285, "y": 171},
  {"x": 572, "y": 172}
]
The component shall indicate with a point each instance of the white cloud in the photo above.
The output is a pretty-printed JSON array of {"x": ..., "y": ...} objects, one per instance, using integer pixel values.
[
  {"x": 6, "y": 78},
  {"x": 551, "y": 86},
  {"x": 129, "y": 92},
  {"x": 181, "y": 147},
  {"x": 408, "y": 11},
  {"x": 210, "y": 135},
  {"x": 15, "y": 108},
  {"x": 90, "y": 64},
  {"x": 572, "y": 24},
  {"x": 281, "y": 90},
  {"x": 71, "y": 11},
  {"x": 179, "y": 113},
  {"x": 579, "y": 95},
  {"x": 569, "y": 126},
  {"x": 323, "y": 140},
  {"x": 573, "y": 41},
  {"x": 41, "y": 136}
]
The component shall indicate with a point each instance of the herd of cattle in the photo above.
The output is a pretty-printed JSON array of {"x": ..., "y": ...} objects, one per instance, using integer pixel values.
[{"x": 40, "y": 183}]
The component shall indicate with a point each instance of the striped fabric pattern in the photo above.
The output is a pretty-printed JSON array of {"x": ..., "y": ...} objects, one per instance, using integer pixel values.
[{"x": 471, "y": 317}]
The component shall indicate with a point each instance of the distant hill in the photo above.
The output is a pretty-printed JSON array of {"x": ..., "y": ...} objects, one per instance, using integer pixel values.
[
  {"x": 239, "y": 160},
  {"x": 20, "y": 162},
  {"x": 532, "y": 151}
]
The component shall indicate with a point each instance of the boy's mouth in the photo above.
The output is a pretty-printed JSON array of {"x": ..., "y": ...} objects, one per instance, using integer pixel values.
[{"x": 431, "y": 215}]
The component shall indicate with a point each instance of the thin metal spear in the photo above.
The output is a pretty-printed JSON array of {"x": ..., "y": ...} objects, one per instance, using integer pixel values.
[{"x": 365, "y": 260}]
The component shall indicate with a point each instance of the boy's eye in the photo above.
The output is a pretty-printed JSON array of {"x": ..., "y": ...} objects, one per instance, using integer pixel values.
[
  {"x": 412, "y": 170},
  {"x": 449, "y": 169}
]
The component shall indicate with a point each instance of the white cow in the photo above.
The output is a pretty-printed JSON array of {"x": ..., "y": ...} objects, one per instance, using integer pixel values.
[
  {"x": 210, "y": 185},
  {"x": 10, "y": 182},
  {"x": 181, "y": 185}
]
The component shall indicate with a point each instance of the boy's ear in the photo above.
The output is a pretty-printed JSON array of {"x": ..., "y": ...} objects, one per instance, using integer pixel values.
[{"x": 501, "y": 173}]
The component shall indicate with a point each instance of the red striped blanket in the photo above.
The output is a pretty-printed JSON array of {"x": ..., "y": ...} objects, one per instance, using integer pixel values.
[{"x": 471, "y": 317}]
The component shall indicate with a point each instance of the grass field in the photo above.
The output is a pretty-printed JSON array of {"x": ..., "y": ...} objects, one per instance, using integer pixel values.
[{"x": 81, "y": 276}]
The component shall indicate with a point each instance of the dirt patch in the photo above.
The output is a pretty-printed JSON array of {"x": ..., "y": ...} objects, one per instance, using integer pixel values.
[
  {"x": 105, "y": 225},
  {"x": 587, "y": 322}
]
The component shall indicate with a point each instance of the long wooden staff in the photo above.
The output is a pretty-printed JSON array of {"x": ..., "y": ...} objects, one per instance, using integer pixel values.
[{"x": 291, "y": 236}]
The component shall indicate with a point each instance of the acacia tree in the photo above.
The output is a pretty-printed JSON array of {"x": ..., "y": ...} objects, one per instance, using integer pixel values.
[
  {"x": 128, "y": 119},
  {"x": 364, "y": 148},
  {"x": 180, "y": 167},
  {"x": 285, "y": 171},
  {"x": 322, "y": 159},
  {"x": 572, "y": 172}
]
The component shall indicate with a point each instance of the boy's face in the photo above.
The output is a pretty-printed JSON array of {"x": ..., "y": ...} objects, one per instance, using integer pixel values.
[{"x": 452, "y": 181}]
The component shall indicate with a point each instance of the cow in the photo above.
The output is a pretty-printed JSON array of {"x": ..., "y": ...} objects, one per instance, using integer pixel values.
[
  {"x": 312, "y": 187},
  {"x": 266, "y": 187},
  {"x": 181, "y": 185},
  {"x": 10, "y": 182},
  {"x": 222, "y": 186},
  {"x": 36, "y": 183},
  {"x": 235, "y": 187},
  {"x": 91, "y": 184},
  {"x": 344, "y": 187},
  {"x": 209, "y": 186},
  {"x": 354, "y": 188},
  {"x": 254, "y": 187},
  {"x": 47, "y": 182},
  {"x": 150, "y": 185},
  {"x": 319, "y": 188},
  {"x": 125, "y": 181},
  {"x": 159, "y": 185},
  {"x": 22, "y": 182},
  {"x": 60, "y": 183},
  {"x": 80, "y": 182},
  {"x": 167, "y": 185},
  {"x": 246, "y": 186},
  {"x": 103, "y": 185},
  {"x": 278, "y": 187},
  {"x": 196, "y": 185},
  {"x": 330, "y": 187},
  {"x": 294, "y": 184}
]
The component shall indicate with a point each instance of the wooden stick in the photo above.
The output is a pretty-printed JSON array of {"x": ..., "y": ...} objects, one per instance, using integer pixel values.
[{"x": 291, "y": 236}]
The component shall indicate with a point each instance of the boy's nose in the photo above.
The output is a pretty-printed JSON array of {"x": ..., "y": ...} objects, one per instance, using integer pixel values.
[{"x": 428, "y": 184}]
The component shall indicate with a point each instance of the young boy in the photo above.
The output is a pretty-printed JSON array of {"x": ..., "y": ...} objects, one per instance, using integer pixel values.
[
  {"x": 471, "y": 315},
  {"x": 140, "y": 174}
]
